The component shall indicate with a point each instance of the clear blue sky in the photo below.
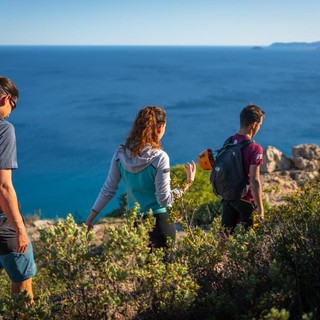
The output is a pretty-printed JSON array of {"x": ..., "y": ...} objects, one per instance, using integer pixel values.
[{"x": 158, "y": 22}]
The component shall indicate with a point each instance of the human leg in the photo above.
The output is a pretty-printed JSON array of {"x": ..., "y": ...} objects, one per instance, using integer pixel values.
[
  {"x": 245, "y": 209},
  {"x": 20, "y": 269},
  {"x": 26, "y": 285},
  {"x": 163, "y": 235},
  {"x": 229, "y": 216}
]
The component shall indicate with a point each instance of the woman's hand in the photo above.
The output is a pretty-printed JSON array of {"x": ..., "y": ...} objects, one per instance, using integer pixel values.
[
  {"x": 90, "y": 219},
  {"x": 190, "y": 170},
  {"x": 89, "y": 227}
]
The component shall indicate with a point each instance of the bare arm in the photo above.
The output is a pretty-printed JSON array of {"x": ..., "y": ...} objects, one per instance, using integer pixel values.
[
  {"x": 9, "y": 205},
  {"x": 255, "y": 186},
  {"x": 90, "y": 219}
]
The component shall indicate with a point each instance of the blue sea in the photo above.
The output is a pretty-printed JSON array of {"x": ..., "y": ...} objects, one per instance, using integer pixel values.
[{"x": 78, "y": 103}]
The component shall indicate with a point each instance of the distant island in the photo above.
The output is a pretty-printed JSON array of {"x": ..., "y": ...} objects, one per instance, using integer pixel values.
[{"x": 296, "y": 45}]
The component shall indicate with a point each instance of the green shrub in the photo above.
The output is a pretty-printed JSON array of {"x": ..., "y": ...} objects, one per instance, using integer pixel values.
[
  {"x": 295, "y": 245},
  {"x": 121, "y": 279},
  {"x": 199, "y": 206},
  {"x": 251, "y": 274},
  {"x": 270, "y": 272}
]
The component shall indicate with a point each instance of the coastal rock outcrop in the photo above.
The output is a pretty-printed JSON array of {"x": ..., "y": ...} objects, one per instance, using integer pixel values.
[
  {"x": 281, "y": 175},
  {"x": 275, "y": 160},
  {"x": 306, "y": 157}
]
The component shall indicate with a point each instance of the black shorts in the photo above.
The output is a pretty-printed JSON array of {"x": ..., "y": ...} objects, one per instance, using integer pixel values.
[
  {"x": 237, "y": 211},
  {"x": 162, "y": 230},
  {"x": 163, "y": 235}
]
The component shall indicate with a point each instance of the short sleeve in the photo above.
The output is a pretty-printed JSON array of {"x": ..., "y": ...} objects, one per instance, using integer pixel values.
[
  {"x": 8, "y": 149},
  {"x": 256, "y": 156}
]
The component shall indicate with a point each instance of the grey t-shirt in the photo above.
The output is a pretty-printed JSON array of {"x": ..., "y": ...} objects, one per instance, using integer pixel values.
[{"x": 8, "y": 149}]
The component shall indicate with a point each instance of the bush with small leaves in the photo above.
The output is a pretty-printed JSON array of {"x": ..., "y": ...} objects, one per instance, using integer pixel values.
[
  {"x": 199, "y": 206},
  {"x": 268, "y": 272},
  {"x": 121, "y": 280},
  {"x": 294, "y": 230}
]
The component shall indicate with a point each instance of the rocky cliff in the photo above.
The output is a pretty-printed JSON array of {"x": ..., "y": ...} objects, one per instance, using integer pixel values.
[{"x": 282, "y": 175}]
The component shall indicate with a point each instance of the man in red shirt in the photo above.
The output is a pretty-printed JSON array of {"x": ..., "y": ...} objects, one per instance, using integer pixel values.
[{"x": 242, "y": 210}]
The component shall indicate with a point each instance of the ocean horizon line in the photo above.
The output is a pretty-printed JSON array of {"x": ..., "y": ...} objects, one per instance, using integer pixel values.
[{"x": 134, "y": 45}]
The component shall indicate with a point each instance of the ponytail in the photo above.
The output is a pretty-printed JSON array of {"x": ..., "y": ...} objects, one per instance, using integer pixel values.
[{"x": 145, "y": 129}]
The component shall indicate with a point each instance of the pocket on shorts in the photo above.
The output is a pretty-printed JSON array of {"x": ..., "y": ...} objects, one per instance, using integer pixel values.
[{"x": 20, "y": 266}]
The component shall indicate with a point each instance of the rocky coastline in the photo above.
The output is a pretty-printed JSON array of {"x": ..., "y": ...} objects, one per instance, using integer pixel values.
[{"x": 282, "y": 175}]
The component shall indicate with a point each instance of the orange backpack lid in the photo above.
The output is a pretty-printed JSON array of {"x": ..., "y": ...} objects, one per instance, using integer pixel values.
[{"x": 205, "y": 159}]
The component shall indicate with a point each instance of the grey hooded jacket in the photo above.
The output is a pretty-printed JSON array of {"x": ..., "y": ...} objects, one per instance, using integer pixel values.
[{"x": 146, "y": 177}]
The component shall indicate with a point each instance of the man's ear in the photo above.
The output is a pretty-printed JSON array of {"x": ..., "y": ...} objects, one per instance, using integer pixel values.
[
  {"x": 254, "y": 125},
  {"x": 3, "y": 101}
]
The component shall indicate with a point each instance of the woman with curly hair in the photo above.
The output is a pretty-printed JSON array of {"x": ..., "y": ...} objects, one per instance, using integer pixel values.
[{"x": 145, "y": 170}]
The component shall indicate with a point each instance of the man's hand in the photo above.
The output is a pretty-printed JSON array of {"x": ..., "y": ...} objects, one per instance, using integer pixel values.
[
  {"x": 255, "y": 186},
  {"x": 260, "y": 212},
  {"x": 22, "y": 240}
]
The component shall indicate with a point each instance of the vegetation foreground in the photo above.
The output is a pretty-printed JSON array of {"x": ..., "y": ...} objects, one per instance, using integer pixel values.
[{"x": 269, "y": 272}]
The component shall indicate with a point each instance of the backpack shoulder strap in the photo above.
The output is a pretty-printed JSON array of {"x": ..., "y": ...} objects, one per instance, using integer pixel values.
[
  {"x": 225, "y": 144},
  {"x": 228, "y": 141},
  {"x": 243, "y": 143}
]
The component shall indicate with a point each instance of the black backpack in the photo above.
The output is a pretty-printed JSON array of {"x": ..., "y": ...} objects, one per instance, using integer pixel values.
[{"x": 227, "y": 176}]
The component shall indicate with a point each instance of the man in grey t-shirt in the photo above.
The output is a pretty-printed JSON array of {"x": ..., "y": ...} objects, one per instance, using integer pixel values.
[{"x": 16, "y": 253}]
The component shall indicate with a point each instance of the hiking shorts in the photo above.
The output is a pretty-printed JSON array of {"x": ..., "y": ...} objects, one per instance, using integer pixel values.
[
  {"x": 235, "y": 211},
  {"x": 163, "y": 230},
  {"x": 18, "y": 266}
]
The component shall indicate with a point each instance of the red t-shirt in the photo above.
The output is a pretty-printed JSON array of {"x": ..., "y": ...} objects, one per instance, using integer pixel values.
[{"x": 252, "y": 154}]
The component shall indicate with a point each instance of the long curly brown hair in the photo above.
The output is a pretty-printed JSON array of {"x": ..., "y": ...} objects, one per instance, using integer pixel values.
[{"x": 145, "y": 129}]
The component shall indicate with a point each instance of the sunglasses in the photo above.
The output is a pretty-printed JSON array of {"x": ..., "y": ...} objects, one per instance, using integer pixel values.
[{"x": 13, "y": 104}]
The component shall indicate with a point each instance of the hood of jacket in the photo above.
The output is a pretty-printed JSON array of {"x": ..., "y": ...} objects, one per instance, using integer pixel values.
[{"x": 136, "y": 164}]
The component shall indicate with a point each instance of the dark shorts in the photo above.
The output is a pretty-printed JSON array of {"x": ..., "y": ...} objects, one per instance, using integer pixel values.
[
  {"x": 163, "y": 235},
  {"x": 237, "y": 211},
  {"x": 19, "y": 267},
  {"x": 162, "y": 231}
]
